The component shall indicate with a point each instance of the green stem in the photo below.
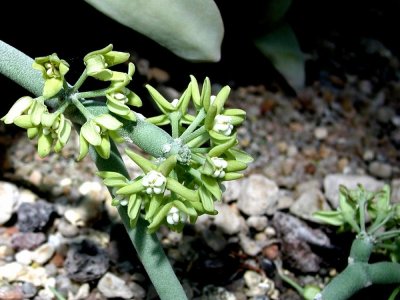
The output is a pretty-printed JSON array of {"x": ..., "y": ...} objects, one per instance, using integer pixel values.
[
  {"x": 196, "y": 122},
  {"x": 91, "y": 94},
  {"x": 194, "y": 134},
  {"x": 363, "y": 203},
  {"x": 17, "y": 66},
  {"x": 81, "y": 108},
  {"x": 174, "y": 119},
  {"x": 80, "y": 81},
  {"x": 147, "y": 245}
]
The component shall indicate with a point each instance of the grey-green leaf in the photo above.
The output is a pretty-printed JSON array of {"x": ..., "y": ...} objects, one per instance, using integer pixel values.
[
  {"x": 190, "y": 29},
  {"x": 281, "y": 47}
]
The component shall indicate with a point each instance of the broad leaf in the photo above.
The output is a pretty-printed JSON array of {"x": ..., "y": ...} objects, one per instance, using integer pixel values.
[
  {"x": 190, "y": 29},
  {"x": 280, "y": 46}
]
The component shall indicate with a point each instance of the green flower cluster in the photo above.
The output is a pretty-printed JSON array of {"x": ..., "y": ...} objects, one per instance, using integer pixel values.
[
  {"x": 52, "y": 129},
  {"x": 184, "y": 177},
  {"x": 186, "y": 181}
]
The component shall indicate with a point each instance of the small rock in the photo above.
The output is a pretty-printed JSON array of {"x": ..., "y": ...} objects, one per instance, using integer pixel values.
[
  {"x": 112, "y": 286},
  {"x": 380, "y": 169},
  {"x": 232, "y": 190},
  {"x": 258, "y": 196},
  {"x": 368, "y": 155},
  {"x": 11, "y": 271},
  {"x": 9, "y": 197},
  {"x": 93, "y": 190},
  {"x": 259, "y": 223},
  {"x": 333, "y": 181},
  {"x": 228, "y": 219},
  {"x": 28, "y": 290},
  {"x": 24, "y": 257},
  {"x": 85, "y": 213},
  {"x": 82, "y": 293},
  {"x": 296, "y": 237},
  {"x": 43, "y": 253},
  {"x": 271, "y": 252},
  {"x": 308, "y": 203},
  {"x": 258, "y": 285},
  {"x": 86, "y": 262},
  {"x": 10, "y": 292},
  {"x": 250, "y": 246},
  {"x": 217, "y": 293},
  {"x": 67, "y": 229},
  {"x": 33, "y": 217},
  {"x": 320, "y": 133},
  {"x": 27, "y": 240}
]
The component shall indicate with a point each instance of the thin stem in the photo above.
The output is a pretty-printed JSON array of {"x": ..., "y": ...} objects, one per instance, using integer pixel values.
[
  {"x": 387, "y": 235},
  {"x": 174, "y": 119},
  {"x": 197, "y": 158},
  {"x": 63, "y": 106},
  {"x": 200, "y": 150},
  {"x": 376, "y": 227},
  {"x": 91, "y": 94},
  {"x": 291, "y": 282},
  {"x": 80, "y": 81},
  {"x": 198, "y": 119},
  {"x": 363, "y": 203},
  {"x": 194, "y": 134},
  {"x": 81, "y": 108},
  {"x": 200, "y": 140}
]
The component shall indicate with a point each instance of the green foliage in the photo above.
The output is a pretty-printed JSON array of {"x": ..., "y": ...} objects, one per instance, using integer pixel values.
[
  {"x": 182, "y": 174},
  {"x": 190, "y": 29},
  {"x": 376, "y": 222}
]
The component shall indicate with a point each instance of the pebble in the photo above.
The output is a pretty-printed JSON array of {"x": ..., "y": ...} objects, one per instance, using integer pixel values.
[
  {"x": 259, "y": 223},
  {"x": 86, "y": 261},
  {"x": 309, "y": 202},
  {"x": 9, "y": 197},
  {"x": 34, "y": 217},
  {"x": 232, "y": 190},
  {"x": 296, "y": 236},
  {"x": 258, "y": 196},
  {"x": 320, "y": 133},
  {"x": 93, "y": 190},
  {"x": 87, "y": 211},
  {"x": 250, "y": 246},
  {"x": 10, "y": 292},
  {"x": 27, "y": 240},
  {"x": 380, "y": 169},
  {"x": 395, "y": 190},
  {"x": 112, "y": 286},
  {"x": 217, "y": 293},
  {"x": 43, "y": 253},
  {"x": 257, "y": 284},
  {"x": 228, "y": 219},
  {"x": 67, "y": 229}
]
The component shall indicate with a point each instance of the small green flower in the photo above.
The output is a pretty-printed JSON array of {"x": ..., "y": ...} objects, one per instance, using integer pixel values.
[
  {"x": 154, "y": 182},
  {"x": 53, "y": 131},
  {"x": 98, "y": 62},
  {"x": 118, "y": 101},
  {"x": 53, "y": 71},
  {"x": 97, "y": 132},
  {"x": 20, "y": 107}
]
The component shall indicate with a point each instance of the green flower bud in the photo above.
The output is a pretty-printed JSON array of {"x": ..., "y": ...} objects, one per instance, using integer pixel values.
[
  {"x": 53, "y": 71},
  {"x": 21, "y": 106}
]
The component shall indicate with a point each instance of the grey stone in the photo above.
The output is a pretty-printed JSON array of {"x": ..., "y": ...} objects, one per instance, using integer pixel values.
[
  {"x": 9, "y": 197},
  {"x": 380, "y": 169},
  {"x": 112, "y": 286},
  {"x": 259, "y": 196},
  {"x": 34, "y": 217},
  {"x": 27, "y": 240},
  {"x": 86, "y": 262},
  {"x": 228, "y": 219},
  {"x": 333, "y": 181},
  {"x": 308, "y": 203},
  {"x": 259, "y": 223}
]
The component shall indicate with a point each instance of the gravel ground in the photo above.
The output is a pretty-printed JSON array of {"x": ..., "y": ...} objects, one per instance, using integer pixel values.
[{"x": 59, "y": 230}]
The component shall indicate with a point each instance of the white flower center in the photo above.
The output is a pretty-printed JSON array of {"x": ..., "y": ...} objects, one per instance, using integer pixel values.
[
  {"x": 120, "y": 97},
  {"x": 222, "y": 124},
  {"x": 220, "y": 165},
  {"x": 154, "y": 182},
  {"x": 175, "y": 216},
  {"x": 174, "y": 102}
]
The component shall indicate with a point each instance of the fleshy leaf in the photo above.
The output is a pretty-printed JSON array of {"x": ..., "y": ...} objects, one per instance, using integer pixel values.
[
  {"x": 190, "y": 29},
  {"x": 281, "y": 47}
]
